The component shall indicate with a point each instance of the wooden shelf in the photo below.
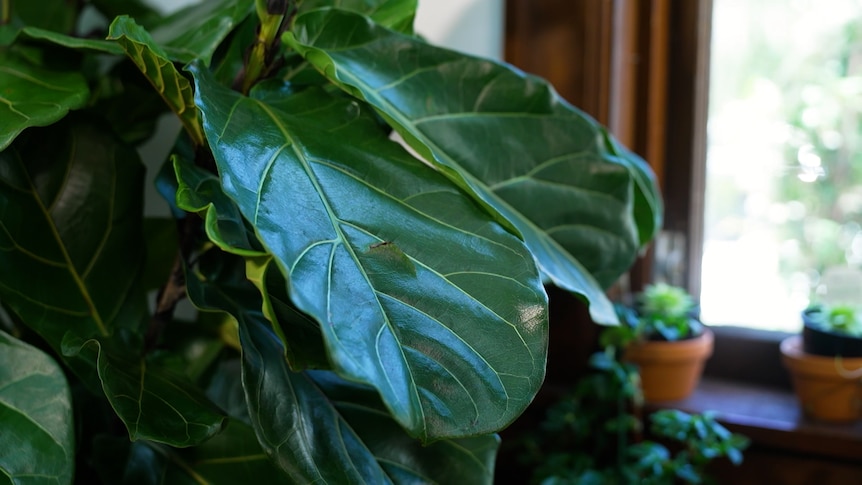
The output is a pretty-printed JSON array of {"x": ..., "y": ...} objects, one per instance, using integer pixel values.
[{"x": 771, "y": 418}]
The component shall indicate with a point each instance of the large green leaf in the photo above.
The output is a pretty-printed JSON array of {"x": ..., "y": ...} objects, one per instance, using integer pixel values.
[
  {"x": 231, "y": 457},
  {"x": 418, "y": 292},
  {"x": 200, "y": 191},
  {"x": 300, "y": 334},
  {"x": 394, "y": 14},
  {"x": 229, "y": 59},
  {"x": 153, "y": 62},
  {"x": 34, "y": 95},
  {"x": 71, "y": 42},
  {"x": 196, "y": 31},
  {"x": 154, "y": 403},
  {"x": 160, "y": 235},
  {"x": 72, "y": 252},
  {"x": 56, "y": 15},
  {"x": 128, "y": 102},
  {"x": 332, "y": 431},
  {"x": 70, "y": 229},
  {"x": 507, "y": 136},
  {"x": 36, "y": 431}
]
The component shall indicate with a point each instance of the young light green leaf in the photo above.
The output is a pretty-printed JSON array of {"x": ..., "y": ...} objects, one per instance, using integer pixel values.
[
  {"x": 506, "y": 136},
  {"x": 194, "y": 33},
  {"x": 154, "y": 403},
  {"x": 456, "y": 341},
  {"x": 394, "y": 14},
  {"x": 37, "y": 438},
  {"x": 160, "y": 71},
  {"x": 237, "y": 296},
  {"x": 70, "y": 213},
  {"x": 199, "y": 191},
  {"x": 35, "y": 95},
  {"x": 335, "y": 422},
  {"x": 299, "y": 334}
]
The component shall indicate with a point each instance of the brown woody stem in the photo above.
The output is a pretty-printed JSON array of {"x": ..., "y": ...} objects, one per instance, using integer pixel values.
[{"x": 5, "y": 11}]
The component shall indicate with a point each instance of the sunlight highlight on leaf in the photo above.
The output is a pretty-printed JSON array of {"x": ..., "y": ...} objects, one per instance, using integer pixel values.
[
  {"x": 441, "y": 338},
  {"x": 541, "y": 164},
  {"x": 37, "y": 435}
]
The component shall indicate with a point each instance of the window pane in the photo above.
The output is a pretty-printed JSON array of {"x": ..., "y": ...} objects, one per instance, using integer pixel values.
[{"x": 783, "y": 222}]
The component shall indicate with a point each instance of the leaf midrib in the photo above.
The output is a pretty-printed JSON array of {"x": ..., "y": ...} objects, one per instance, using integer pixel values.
[
  {"x": 489, "y": 196},
  {"x": 85, "y": 294},
  {"x": 342, "y": 241}
]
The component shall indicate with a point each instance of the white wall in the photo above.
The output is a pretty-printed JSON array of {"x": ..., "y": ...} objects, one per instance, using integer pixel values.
[{"x": 472, "y": 26}]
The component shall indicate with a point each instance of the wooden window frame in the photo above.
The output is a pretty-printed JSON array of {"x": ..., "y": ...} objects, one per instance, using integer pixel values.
[{"x": 641, "y": 67}]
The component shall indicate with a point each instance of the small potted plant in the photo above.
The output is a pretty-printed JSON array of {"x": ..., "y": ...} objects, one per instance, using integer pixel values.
[
  {"x": 666, "y": 340},
  {"x": 595, "y": 434},
  {"x": 825, "y": 362}
]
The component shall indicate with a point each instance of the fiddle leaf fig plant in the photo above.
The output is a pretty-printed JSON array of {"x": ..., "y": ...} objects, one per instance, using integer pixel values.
[{"x": 362, "y": 310}]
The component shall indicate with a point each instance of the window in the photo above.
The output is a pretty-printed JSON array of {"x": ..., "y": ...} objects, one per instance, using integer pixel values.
[
  {"x": 642, "y": 68},
  {"x": 784, "y": 175}
]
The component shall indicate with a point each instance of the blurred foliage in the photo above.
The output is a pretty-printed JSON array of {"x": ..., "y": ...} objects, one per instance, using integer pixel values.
[
  {"x": 785, "y": 159},
  {"x": 595, "y": 433}
]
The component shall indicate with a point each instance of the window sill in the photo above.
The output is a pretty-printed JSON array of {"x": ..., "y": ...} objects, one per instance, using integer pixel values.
[{"x": 771, "y": 418}]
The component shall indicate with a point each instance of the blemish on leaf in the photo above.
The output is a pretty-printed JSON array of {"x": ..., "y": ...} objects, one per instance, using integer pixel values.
[{"x": 391, "y": 257}]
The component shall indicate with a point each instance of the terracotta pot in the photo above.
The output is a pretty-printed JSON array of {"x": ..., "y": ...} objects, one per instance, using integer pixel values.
[
  {"x": 670, "y": 370},
  {"x": 828, "y": 388}
]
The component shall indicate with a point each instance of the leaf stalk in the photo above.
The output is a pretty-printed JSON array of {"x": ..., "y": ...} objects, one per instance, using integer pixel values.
[
  {"x": 5, "y": 11},
  {"x": 273, "y": 15}
]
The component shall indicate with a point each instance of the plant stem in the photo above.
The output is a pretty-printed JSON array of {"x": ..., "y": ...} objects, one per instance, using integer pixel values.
[
  {"x": 169, "y": 295},
  {"x": 274, "y": 17},
  {"x": 174, "y": 289},
  {"x": 5, "y": 11}
]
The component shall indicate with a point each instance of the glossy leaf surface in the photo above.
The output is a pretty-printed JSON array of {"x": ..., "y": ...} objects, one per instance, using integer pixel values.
[
  {"x": 70, "y": 214},
  {"x": 155, "y": 404},
  {"x": 417, "y": 291},
  {"x": 71, "y": 42},
  {"x": 197, "y": 30},
  {"x": 153, "y": 62},
  {"x": 35, "y": 95},
  {"x": 200, "y": 191},
  {"x": 308, "y": 421},
  {"x": 394, "y": 14},
  {"x": 36, "y": 429},
  {"x": 538, "y": 161},
  {"x": 231, "y": 457},
  {"x": 299, "y": 333}
]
